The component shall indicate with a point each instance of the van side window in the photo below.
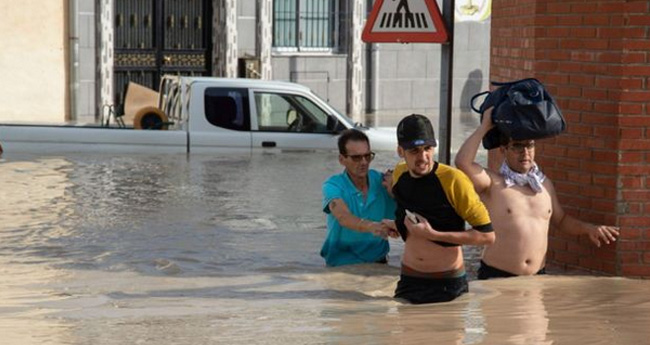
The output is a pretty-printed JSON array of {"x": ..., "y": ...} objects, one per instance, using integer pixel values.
[{"x": 227, "y": 108}]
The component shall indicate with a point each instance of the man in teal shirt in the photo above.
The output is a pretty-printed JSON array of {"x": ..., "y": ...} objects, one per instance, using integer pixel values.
[{"x": 356, "y": 201}]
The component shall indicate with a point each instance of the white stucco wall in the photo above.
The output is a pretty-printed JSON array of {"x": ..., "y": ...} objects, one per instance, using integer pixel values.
[{"x": 32, "y": 61}]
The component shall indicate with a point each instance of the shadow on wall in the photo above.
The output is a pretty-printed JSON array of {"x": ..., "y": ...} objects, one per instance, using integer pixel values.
[{"x": 472, "y": 87}]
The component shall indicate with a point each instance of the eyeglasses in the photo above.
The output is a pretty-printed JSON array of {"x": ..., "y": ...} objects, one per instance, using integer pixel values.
[
  {"x": 520, "y": 147},
  {"x": 357, "y": 158}
]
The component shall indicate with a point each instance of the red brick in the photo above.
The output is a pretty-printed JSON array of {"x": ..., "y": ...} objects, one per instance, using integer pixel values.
[
  {"x": 610, "y": 7},
  {"x": 605, "y": 252},
  {"x": 640, "y": 20},
  {"x": 558, "y": 7},
  {"x": 596, "y": 192},
  {"x": 576, "y": 248},
  {"x": 579, "y": 104},
  {"x": 603, "y": 205},
  {"x": 557, "y": 243},
  {"x": 569, "y": 43},
  {"x": 606, "y": 131},
  {"x": 572, "y": 116},
  {"x": 583, "y": 80},
  {"x": 585, "y": 32},
  {"x": 634, "y": 121},
  {"x": 630, "y": 234},
  {"x": 636, "y": 7},
  {"x": 632, "y": 157},
  {"x": 634, "y": 32},
  {"x": 589, "y": 264},
  {"x": 546, "y": 21},
  {"x": 596, "y": 19},
  {"x": 638, "y": 70},
  {"x": 556, "y": 151},
  {"x": 608, "y": 32},
  {"x": 632, "y": 83},
  {"x": 608, "y": 57},
  {"x": 576, "y": 201},
  {"x": 596, "y": 94},
  {"x": 635, "y": 270},
  {"x": 634, "y": 169},
  {"x": 631, "y": 182},
  {"x": 633, "y": 58},
  {"x": 596, "y": 44},
  {"x": 634, "y": 144},
  {"x": 605, "y": 156},
  {"x": 568, "y": 141},
  {"x": 588, "y": 8},
  {"x": 625, "y": 245},
  {"x": 558, "y": 32},
  {"x": 598, "y": 68},
  {"x": 630, "y": 109},
  {"x": 636, "y": 195},
  {"x": 604, "y": 180},
  {"x": 580, "y": 129},
  {"x": 601, "y": 167},
  {"x": 570, "y": 164},
  {"x": 633, "y": 208},
  {"x": 567, "y": 258},
  {"x": 634, "y": 221},
  {"x": 632, "y": 133},
  {"x": 607, "y": 82},
  {"x": 637, "y": 44},
  {"x": 630, "y": 257},
  {"x": 570, "y": 20}
]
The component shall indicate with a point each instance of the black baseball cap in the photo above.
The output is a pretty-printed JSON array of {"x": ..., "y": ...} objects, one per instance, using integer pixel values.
[{"x": 415, "y": 130}]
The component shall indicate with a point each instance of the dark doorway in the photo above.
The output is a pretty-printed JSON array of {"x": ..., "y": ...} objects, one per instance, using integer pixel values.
[{"x": 156, "y": 37}]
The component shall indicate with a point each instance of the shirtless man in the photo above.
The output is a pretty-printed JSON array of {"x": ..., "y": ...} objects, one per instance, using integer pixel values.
[
  {"x": 522, "y": 204},
  {"x": 442, "y": 199}
]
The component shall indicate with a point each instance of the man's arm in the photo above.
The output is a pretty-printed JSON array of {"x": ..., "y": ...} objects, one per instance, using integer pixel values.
[
  {"x": 574, "y": 226},
  {"x": 340, "y": 211},
  {"x": 467, "y": 237},
  {"x": 466, "y": 156},
  {"x": 387, "y": 182}
]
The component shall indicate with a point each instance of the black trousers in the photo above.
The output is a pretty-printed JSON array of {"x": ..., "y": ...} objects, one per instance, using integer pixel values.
[
  {"x": 486, "y": 272},
  {"x": 418, "y": 290}
]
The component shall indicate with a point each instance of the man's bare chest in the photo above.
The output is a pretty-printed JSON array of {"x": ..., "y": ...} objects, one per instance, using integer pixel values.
[{"x": 519, "y": 201}]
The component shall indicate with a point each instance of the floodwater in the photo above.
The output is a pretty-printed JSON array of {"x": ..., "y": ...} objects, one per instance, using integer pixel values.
[{"x": 176, "y": 249}]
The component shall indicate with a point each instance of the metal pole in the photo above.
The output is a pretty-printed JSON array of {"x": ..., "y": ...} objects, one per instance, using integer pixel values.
[
  {"x": 73, "y": 46},
  {"x": 446, "y": 83}
]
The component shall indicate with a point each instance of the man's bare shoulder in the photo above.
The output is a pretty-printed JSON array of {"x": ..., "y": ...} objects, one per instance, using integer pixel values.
[{"x": 496, "y": 180}]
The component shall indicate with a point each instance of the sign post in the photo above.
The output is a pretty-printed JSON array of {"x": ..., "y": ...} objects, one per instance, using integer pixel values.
[
  {"x": 446, "y": 85},
  {"x": 420, "y": 21}
]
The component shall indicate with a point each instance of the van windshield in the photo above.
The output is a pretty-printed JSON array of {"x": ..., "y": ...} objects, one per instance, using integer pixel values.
[{"x": 348, "y": 121}]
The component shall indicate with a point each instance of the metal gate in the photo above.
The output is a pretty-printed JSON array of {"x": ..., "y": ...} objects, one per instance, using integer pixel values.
[{"x": 156, "y": 37}]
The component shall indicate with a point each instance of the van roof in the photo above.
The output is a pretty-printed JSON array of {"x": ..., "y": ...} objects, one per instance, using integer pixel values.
[{"x": 241, "y": 82}]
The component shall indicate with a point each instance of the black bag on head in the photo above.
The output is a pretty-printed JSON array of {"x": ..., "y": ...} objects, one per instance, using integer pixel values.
[{"x": 523, "y": 110}]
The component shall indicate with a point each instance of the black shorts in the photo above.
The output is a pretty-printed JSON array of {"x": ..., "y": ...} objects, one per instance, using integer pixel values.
[
  {"x": 487, "y": 272},
  {"x": 419, "y": 290}
]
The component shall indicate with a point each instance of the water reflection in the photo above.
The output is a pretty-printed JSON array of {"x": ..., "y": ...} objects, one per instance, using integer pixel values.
[{"x": 182, "y": 249}]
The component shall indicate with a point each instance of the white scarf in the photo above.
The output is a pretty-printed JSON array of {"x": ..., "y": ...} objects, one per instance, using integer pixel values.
[{"x": 534, "y": 177}]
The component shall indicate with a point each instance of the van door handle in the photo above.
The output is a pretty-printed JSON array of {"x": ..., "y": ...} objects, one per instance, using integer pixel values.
[{"x": 269, "y": 144}]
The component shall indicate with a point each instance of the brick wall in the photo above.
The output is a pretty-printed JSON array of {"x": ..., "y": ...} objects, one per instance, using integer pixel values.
[{"x": 593, "y": 57}]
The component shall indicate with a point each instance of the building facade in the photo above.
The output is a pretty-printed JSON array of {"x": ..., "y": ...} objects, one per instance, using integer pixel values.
[{"x": 103, "y": 44}]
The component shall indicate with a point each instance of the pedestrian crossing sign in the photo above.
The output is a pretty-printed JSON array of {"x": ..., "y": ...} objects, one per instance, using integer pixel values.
[{"x": 405, "y": 21}]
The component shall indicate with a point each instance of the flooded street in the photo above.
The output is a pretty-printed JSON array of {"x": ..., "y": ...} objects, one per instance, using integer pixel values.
[{"x": 177, "y": 249}]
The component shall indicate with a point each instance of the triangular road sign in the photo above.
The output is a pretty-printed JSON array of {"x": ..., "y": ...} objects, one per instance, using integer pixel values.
[{"x": 405, "y": 21}]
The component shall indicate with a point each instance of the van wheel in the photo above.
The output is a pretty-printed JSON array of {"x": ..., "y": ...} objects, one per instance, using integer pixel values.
[{"x": 150, "y": 118}]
